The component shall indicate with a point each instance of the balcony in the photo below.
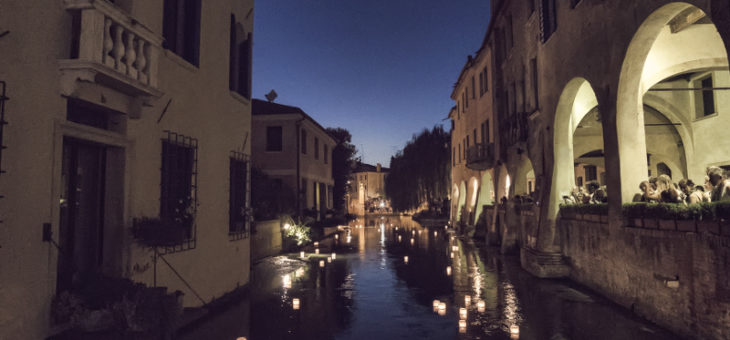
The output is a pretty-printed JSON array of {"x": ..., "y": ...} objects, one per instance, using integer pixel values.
[
  {"x": 480, "y": 157},
  {"x": 112, "y": 49},
  {"x": 514, "y": 128}
]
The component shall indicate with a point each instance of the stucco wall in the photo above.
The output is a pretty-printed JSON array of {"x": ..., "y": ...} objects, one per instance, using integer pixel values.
[
  {"x": 631, "y": 266},
  {"x": 266, "y": 241}
]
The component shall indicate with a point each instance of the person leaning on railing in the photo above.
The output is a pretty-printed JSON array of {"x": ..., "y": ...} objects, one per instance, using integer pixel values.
[{"x": 720, "y": 184}]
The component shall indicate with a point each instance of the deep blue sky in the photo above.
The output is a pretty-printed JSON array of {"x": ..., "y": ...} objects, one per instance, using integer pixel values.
[{"x": 382, "y": 69}]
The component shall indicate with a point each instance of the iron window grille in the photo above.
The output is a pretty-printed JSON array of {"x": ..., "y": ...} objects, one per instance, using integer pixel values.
[
  {"x": 239, "y": 212},
  {"x": 179, "y": 188}
]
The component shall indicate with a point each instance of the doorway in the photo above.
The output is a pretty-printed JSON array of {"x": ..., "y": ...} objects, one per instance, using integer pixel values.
[{"x": 81, "y": 225}]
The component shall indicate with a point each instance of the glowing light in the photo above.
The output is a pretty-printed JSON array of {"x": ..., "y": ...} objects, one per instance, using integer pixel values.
[
  {"x": 435, "y": 233},
  {"x": 321, "y": 263},
  {"x": 287, "y": 226},
  {"x": 480, "y": 306},
  {"x": 241, "y": 338},
  {"x": 413, "y": 232},
  {"x": 337, "y": 236},
  {"x": 448, "y": 270},
  {"x": 413, "y": 241},
  {"x": 514, "y": 329},
  {"x": 334, "y": 256},
  {"x": 442, "y": 306},
  {"x": 349, "y": 238},
  {"x": 436, "y": 304},
  {"x": 287, "y": 281},
  {"x": 295, "y": 304},
  {"x": 399, "y": 238},
  {"x": 396, "y": 228},
  {"x": 452, "y": 255},
  {"x": 442, "y": 312},
  {"x": 299, "y": 272},
  {"x": 316, "y": 251},
  {"x": 462, "y": 326},
  {"x": 462, "y": 313},
  {"x": 455, "y": 248},
  {"x": 446, "y": 227},
  {"x": 301, "y": 254},
  {"x": 316, "y": 244},
  {"x": 329, "y": 259},
  {"x": 467, "y": 300},
  {"x": 405, "y": 259}
]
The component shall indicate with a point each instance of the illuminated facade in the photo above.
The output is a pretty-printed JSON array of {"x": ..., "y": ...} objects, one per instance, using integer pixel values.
[
  {"x": 366, "y": 191},
  {"x": 122, "y": 110}
]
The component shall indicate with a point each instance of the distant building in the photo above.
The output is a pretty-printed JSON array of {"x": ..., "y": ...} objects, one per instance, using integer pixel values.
[
  {"x": 289, "y": 145},
  {"x": 121, "y": 110},
  {"x": 366, "y": 192}
]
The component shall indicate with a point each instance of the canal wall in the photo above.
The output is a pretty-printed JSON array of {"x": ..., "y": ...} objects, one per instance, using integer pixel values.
[
  {"x": 680, "y": 280},
  {"x": 266, "y": 241}
]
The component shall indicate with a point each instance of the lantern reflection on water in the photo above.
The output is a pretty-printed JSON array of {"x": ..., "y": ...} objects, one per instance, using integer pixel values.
[{"x": 287, "y": 281}]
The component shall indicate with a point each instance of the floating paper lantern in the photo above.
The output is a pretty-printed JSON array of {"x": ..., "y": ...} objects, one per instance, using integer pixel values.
[
  {"x": 442, "y": 306},
  {"x": 413, "y": 241},
  {"x": 462, "y": 326},
  {"x": 480, "y": 306},
  {"x": 452, "y": 255},
  {"x": 462, "y": 313},
  {"x": 413, "y": 232},
  {"x": 448, "y": 270},
  {"x": 405, "y": 259},
  {"x": 435, "y": 233},
  {"x": 337, "y": 236},
  {"x": 301, "y": 254},
  {"x": 514, "y": 330},
  {"x": 295, "y": 304},
  {"x": 436, "y": 304},
  {"x": 467, "y": 300},
  {"x": 287, "y": 226},
  {"x": 316, "y": 251},
  {"x": 455, "y": 248},
  {"x": 321, "y": 263},
  {"x": 442, "y": 312},
  {"x": 329, "y": 259},
  {"x": 334, "y": 256}
]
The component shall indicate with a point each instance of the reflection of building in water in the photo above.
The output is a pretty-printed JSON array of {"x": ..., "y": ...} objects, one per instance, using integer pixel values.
[{"x": 366, "y": 192}]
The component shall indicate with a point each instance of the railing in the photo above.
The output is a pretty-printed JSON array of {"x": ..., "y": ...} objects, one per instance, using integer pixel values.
[
  {"x": 106, "y": 35},
  {"x": 480, "y": 156},
  {"x": 513, "y": 128}
]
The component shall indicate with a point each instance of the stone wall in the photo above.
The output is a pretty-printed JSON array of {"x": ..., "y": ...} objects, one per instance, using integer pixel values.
[
  {"x": 266, "y": 241},
  {"x": 677, "y": 279}
]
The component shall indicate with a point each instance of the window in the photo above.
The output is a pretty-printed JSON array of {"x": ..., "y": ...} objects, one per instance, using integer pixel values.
[
  {"x": 580, "y": 181},
  {"x": 486, "y": 80},
  {"x": 707, "y": 97},
  {"x": 239, "y": 75},
  {"x": 238, "y": 216},
  {"x": 453, "y": 156},
  {"x": 273, "y": 138},
  {"x": 591, "y": 174},
  {"x": 513, "y": 96},
  {"x": 459, "y": 153},
  {"x": 481, "y": 84},
  {"x": 548, "y": 19},
  {"x": 304, "y": 141},
  {"x": 178, "y": 188},
  {"x": 316, "y": 148},
  {"x": 533, "y": 67},
  {"x": 473, "y": 91},
  {"x": 467, "y": 142},
  {"x": 475, "y": 136},
  {"x": 484, "y": 141},
  {"x": 326, "y": 154},
  {"x": 486, "y": 131},
  {"x": 181, "y": 29}
]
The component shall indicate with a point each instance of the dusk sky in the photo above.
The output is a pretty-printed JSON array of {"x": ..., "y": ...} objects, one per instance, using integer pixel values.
[{"x": 382, "y": 69}]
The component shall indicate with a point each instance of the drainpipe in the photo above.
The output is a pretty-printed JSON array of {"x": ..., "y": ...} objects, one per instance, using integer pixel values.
[{"x": 299, "y": 180}]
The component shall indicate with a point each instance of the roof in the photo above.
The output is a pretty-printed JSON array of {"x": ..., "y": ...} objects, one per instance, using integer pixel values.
[
  {"x": 364, "y": 167},
  {"x": 263, "y": 108}
]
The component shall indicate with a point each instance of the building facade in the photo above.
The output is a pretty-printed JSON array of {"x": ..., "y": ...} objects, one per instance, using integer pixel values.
[
  {"x": 613, "y": 92},
  {"x": 122, "y": 111},
  {"x": 290, "y": 146},
  {"x": 366, "y": 190}
]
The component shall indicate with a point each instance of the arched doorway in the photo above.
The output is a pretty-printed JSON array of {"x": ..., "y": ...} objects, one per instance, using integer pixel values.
[
  {"x": 678, "y": 57},
  {"x": 524, "y": 179}
]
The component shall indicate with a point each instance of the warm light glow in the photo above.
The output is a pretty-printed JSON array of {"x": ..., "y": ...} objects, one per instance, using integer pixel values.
[
  {"x": 299, "y": 272},
  {"x": 514, "y": 329},
  {"x": 405, "y": 259},
  {"x": 316, "y": 251},
  {"x": 448, "y": 270},
  {"x": 334, "y": 256},
  {"x": 301, "y": 254},
  {"x": 329, "y": 259},
  {"x": 337, "y": 236},
  {"x": 295, "y": 304},
  {"x": 241, "y": 338},
  {"x": 435, "y": 233},
  {"x": 506, "y": 186},
  {"x": 316, "y": 244},
  {"x": 349, "y": 238},
  {"x": 455, "y": 248},
  {"x": 452, "y": 255},
  {"x": 467, "y": 300},
  {"x": 462, "y": 325},
  {"x": 287, "y": 226},
  {"x": 413, "y": 232},
  {"x": 321, "y": 263},
  {"x": 442, "y": 306},
  {"x": 436, "y": 304},
  {"x": 287, "y": 281},
  {"x": 396, "y": 228},
  {"x": 462, "y": 313},
  {"x": 399, "y": 238},
  {"x": 446, "y": 227},
  {"x": 480, "y": 306}
]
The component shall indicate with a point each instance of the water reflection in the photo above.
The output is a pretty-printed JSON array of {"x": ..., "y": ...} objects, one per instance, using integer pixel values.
[{"x": 379, "y": 288}]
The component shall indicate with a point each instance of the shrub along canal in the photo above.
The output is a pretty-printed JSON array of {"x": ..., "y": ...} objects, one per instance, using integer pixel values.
[{"x": 380, "y": 277}]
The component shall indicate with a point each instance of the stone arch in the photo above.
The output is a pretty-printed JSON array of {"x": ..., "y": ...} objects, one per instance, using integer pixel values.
[
  {"x": 524, "y": 177},
  {"x": 455, "y": 202},
  {"x": 658, "y": 50},
  {"x": 486, "y": 193}
]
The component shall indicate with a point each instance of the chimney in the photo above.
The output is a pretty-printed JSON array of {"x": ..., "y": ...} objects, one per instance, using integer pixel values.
[{"x": 378, "y": 167}]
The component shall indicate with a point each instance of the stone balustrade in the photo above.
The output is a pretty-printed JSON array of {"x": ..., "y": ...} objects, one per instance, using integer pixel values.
[{"x": 112, "y": 42}]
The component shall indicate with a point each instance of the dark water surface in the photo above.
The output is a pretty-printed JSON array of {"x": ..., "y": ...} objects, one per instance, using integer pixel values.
[{"x": 369, "y": 292}]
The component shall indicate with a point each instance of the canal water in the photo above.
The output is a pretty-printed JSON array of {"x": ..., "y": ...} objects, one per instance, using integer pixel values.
[{"x": 369, "y": 290}]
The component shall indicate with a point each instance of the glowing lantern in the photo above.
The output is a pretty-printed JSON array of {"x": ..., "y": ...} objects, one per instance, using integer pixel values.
[
  {"x": 462, "y": 313},
  {"x": 287, "y": 226},
  {"x": 467, "y": 300},
  {"x": 316, "y": 244},
  {"x": 295, "y": 304},
  {"x": 452, "y": 255},
  {"x": 514, "y": 330},
  {"x": 446, "y": 227},
  {"x": 405, "y": 259},
  {"x": 334, "y": 256},
  {"x": 413, "y": 241},
  {"x": 413, "y": 232},
  {"x": 448, "y": 270},
  {"x": 399, "y": 238},
  {"x": 435, "y": 233},
  {"x": 442, "y": 306},
  {"x": 396, "y": 228},
  {"x": 462, "y": 326},
  {"x": 301, "y": 254},
  {"x": 455, "y": 248},
  {"x": 329, "y": 259},
  {"x": 442, "y": 312},
  {"x": 287, "y": 281},
  {"x": 321, "y": 263},
  {"x": 436, "y": 304},
  {"x": 480, "y": 306},
  {"x": 349, "y": 238},
  {"x": 337, "y": 236},
  {"x": 316, "y": 251}
]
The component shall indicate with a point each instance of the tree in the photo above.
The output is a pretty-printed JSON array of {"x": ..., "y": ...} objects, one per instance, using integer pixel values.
[
  {"x": 343, "y": 160},
  {"x": 420, "y": 172}
]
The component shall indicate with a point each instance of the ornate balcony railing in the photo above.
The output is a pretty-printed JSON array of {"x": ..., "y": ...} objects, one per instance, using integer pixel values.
[
  {"x": 513, "y": 128},
  {"x": 111, "y": 48},
  {"x": 480, "y": 156}
]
